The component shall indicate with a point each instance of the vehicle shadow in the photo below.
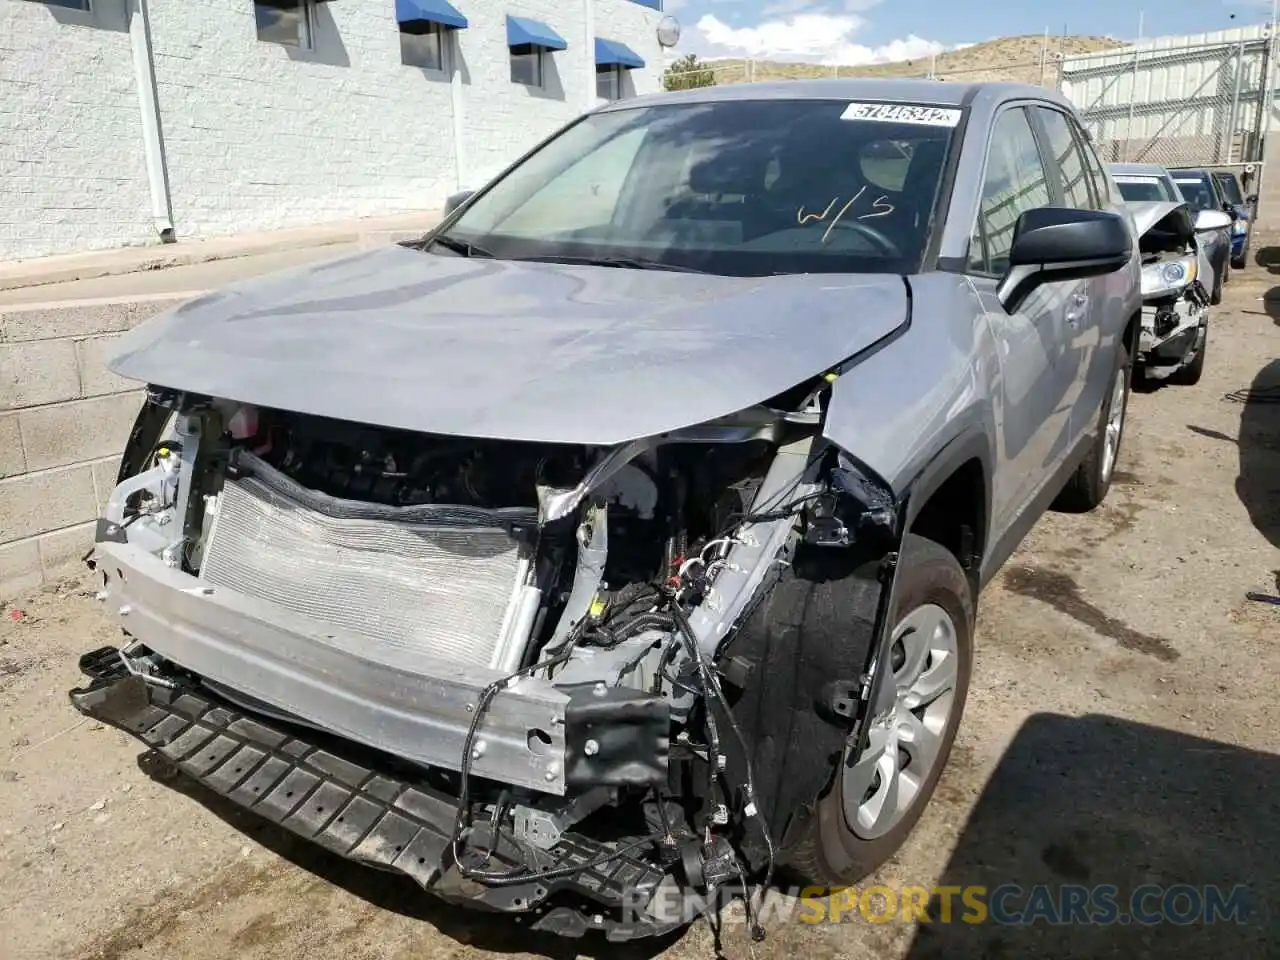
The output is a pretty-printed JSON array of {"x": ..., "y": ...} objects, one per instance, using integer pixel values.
[
  {"x": 1081, "y": 802},
  {"x": 1258, "y": 483},
  {"x": 389, "y": 891},
  {"x": 1269, "y": 259}
]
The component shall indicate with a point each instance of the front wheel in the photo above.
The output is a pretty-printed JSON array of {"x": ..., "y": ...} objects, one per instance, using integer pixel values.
[
  {"x": 1088, "y": 486},
  {"x": 1188, "y": 375},
  {"x": 1220, "y": 277},
  {"x": 878, "y": 796}
]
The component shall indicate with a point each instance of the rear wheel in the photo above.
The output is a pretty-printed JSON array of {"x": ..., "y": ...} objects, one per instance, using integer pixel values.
[
  {"x": 878, "y": 796},
  {"x": 1089, "y": 484}
]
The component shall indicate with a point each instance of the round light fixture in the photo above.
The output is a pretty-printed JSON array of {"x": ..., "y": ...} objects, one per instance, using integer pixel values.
[{"x": 668, "y": 31}]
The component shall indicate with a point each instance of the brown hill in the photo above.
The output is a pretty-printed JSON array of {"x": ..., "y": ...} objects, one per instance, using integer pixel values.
[{"x": 1010, "y": 58}]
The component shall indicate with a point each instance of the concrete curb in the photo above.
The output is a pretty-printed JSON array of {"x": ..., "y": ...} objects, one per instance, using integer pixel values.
[{"x": 107, "y": 263}]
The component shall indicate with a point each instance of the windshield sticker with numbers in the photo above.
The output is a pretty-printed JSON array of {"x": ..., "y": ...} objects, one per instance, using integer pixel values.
[{"x": 902, "y": 113}]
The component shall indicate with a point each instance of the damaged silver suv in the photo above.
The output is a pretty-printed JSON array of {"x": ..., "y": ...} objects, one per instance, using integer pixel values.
[{"x": 616, "y": 546}]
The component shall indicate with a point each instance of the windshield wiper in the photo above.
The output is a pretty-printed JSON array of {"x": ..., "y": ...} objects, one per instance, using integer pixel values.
[
  {"x": 625, "y": 263},
  {"x": 464, "y": 247}
]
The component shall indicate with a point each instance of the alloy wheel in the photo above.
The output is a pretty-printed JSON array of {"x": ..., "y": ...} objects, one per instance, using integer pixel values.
[
  {"x": 1115, "y": 423},
  {"x": 904, "y": 743}
]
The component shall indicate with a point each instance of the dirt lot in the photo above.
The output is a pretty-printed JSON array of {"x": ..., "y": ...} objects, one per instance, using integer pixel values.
[{"x": 1122, "y": 728}]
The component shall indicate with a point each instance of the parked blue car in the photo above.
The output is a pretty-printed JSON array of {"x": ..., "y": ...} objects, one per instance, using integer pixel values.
[{"x": 1229, "y": 187}]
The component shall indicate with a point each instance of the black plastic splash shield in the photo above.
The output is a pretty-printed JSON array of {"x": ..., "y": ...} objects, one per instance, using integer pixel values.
[{"x": 361, "y": 813}]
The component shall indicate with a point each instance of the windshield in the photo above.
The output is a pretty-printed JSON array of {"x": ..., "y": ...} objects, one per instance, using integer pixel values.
[
  {"x": 740, "y": 188},
  {"x": 1230, "y": 188},
  {"x": 1144, "y": 189},
  {"x": 1198, "y": 192}
]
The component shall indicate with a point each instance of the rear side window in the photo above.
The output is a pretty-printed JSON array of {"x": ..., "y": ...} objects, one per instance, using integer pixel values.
[
  {"x": 1072, "y": 173},
  {"x": 1102, "y": 183},
  {"x": 1015, "y": 181}
]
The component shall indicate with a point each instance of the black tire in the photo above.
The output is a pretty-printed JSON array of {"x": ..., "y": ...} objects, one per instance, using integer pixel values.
[
  {"x": 827, "y": 852},
  {"x": 1220, "y": 277},
  {"x": 1087, "y": 487},
  {"x": 1242, "y": 261},
  {"x": 1188, "y": 375}
]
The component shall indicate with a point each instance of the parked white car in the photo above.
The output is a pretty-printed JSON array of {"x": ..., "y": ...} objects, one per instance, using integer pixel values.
[{"x": 1177, "y": 275}]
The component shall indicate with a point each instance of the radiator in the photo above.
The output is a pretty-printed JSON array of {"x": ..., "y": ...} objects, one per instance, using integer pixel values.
[{"x": 403, "y": 583}]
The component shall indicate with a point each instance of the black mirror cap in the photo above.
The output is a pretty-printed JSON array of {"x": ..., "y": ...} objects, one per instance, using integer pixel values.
[
  {"x": 456, "y": 200},
  {"x": 1051, "y": 236},
  {"x": 1056, "y": 244}
]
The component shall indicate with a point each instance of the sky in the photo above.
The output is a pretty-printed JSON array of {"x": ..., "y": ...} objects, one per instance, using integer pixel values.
[{"x": 874, "y": 31}]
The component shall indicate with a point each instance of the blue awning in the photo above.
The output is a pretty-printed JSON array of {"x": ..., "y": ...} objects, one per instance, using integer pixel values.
[
  {"x": 409, "y": 12},
  {"x": 611, "y": 53},
  {"x": 523, "y": 32}
]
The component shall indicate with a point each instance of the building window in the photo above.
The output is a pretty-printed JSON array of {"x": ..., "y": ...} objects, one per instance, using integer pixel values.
[
  {"x": 422, "y": 45},
  {"x": 609, "y": 83},
  {"x": 287, "y": 22},
  {"x": 526, "y": 65}
]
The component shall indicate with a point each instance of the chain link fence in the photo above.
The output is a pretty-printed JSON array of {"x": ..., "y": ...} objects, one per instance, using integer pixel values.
[
  {"x": 1173, "y": 103},
  {"x": 1177, "y": 102}
]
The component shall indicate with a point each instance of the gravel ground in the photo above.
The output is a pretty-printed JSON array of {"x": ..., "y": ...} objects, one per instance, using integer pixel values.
[{"x": 1122, "y": 729}]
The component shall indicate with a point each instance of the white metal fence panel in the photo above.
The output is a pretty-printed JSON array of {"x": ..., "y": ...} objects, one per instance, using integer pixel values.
[{"x": 1175, "y": 101}]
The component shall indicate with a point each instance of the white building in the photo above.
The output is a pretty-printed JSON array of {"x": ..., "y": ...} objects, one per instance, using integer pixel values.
[{"x": 131, "y": 121}]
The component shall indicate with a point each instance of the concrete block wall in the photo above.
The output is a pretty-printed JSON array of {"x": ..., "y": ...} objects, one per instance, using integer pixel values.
[
  {"x": 64, "y": 419},
  {"x": 72, "y": 174}
]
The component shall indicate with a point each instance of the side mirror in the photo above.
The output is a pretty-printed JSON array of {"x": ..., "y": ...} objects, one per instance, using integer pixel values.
[
  {"x": 1251, "y": 199},
  {"x": 1052, "y": 244},
  {"x": 456, "y": 200},
  {"x": 1209, "y": 220}
]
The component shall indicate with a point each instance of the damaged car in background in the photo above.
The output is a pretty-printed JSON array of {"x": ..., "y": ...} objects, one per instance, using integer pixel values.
[
  {"x": 617, "y": 545},
  {"x": 1175, "y": 301}
]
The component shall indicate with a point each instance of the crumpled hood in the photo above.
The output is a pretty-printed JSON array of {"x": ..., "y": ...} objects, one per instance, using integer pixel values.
[
  {"x": 511, "y": 350},
  {"x": 1148, "y": 213}
]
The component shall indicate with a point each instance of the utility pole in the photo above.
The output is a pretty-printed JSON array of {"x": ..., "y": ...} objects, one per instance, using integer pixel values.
[
  {"x": 1133, "y": 89},
  {"x": 1044, "y": 55}
]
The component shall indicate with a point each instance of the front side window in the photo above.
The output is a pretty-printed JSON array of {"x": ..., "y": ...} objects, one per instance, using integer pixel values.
[
  {"x": 1230, "y": 188},
  {"x": 741, "y": 188},
  {"x": 526, "y": 65},
  {"x": 1015, "y": 182},
  {"x": 287, "y": 22},
  {"x": 422, "y": 46},
  {"x": 1073, "y": 174}
]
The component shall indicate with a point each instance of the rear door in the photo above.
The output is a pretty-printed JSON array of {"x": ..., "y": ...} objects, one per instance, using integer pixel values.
[{"x": 1038, "y": 370}]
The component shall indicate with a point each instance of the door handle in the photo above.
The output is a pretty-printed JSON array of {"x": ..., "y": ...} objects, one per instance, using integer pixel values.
[{"x": 1075, "y": 311}]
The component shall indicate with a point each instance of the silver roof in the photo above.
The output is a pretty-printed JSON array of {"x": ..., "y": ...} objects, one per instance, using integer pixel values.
[
  {"x": 943, "y": 93},
  {"x": 1138, "y": 170}
]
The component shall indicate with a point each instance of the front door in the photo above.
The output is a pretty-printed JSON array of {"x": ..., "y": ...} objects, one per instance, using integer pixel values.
[{"x": 1039, "y": 366}]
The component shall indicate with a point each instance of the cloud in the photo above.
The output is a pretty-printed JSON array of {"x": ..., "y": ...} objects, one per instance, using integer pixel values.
[{"x": 825, "y": 38}]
